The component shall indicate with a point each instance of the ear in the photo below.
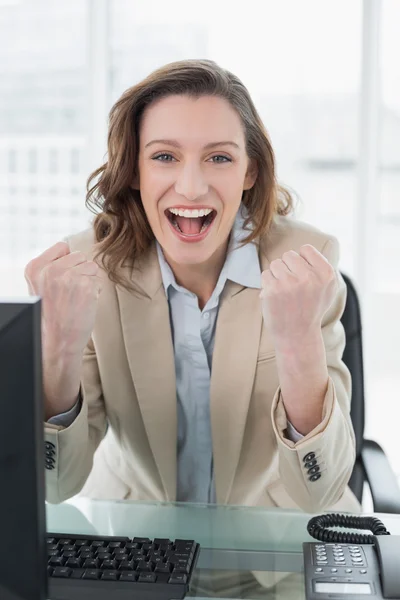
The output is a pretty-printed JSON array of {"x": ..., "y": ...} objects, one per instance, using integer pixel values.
[{"x": 251, "y": 175}]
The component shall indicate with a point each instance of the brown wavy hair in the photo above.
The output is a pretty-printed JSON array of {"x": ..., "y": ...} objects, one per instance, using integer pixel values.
[{"x": 122, "y": 231}]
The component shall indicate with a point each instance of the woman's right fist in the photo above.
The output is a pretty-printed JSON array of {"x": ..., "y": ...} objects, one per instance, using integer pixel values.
[{"x": 69, "y": 287}]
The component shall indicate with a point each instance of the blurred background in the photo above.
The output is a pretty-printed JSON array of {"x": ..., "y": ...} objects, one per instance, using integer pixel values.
[{"x": 324, "y": 76}]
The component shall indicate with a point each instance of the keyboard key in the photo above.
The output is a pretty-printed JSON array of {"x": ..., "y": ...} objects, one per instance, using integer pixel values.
[
  {"x": 137, "y": 554},
  {"x": 144, "y": 566},
  {"x": 132, "y": 546},
  {"x": 182, "y": 568},
  {"x": 114, "y": 545},
  {"x": 53, "y": 553},
  {"x": 86, "y": 553},
  {"x": 74, "y": 563},
  {"x": 62, "y": 572},
  {"x": 147, "y": 577},
  {"x": 70, "y": 554},
  {"x": 92, "y": 574},
  {"x": 184, "y": 543},
  {"x": 140, "y": 540},
  {"x": 182, "y": 555},
  {"x": 110, "y": 575},
  {"x": 128, "y": 576},
  {"x": 77, "y": 573},
  {"x": 127, "y": 565},
  {"x": 91, "y": 563},
  {"x": 104, "y": 556},
  {"x": 98, "y": 544},
  {"x": 80, "y": 543},
  {"x": 65, "y": 542},
  {"x": 163, "y": 568},
  {"x": 57, "y": 561},
  {"x": 52, "y": 546},
  {"x": 109, "y": 565},
  {"x": 155, "y": 558},
  {"x": 178, "y": 578},
  {"x": 120, "y": 551}
]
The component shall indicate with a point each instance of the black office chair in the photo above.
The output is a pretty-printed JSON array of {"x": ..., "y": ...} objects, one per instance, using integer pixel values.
[{"x": 371, "y": 465}]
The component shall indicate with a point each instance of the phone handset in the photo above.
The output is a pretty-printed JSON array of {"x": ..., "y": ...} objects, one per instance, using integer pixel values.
[{"x": 345, "y": 564}]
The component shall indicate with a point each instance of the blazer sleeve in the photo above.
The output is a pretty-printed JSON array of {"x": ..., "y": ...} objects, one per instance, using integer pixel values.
[
  {"x": 70, "y": 450},
  {"x": 331, "y": 445}
]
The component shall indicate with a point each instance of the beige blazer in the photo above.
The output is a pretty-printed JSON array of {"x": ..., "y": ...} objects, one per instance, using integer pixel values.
[{"x": 128, "y": 383}]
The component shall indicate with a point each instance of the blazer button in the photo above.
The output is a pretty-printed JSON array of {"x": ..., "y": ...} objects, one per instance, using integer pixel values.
[
  {"x": 309, "y": 456},
  {"x": 310, "y": 463},
  {"x": 315, "y": 477},
  {"x": 313, "y": 470}
]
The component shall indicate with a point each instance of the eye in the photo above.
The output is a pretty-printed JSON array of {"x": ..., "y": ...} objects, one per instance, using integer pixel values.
[
  {"x": 225, "y": 158},
  {"x": 163, "y": 155}
]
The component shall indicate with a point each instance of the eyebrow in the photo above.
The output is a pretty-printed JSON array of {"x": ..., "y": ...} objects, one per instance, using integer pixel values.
[{"x": 206, "y": 147}]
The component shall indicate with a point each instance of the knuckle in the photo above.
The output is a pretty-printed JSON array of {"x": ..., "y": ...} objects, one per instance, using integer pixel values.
[{"x": 30, "y": 270}]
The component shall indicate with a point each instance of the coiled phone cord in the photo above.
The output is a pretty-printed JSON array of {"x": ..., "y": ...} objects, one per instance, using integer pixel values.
[{"x": 317, "y": 528}]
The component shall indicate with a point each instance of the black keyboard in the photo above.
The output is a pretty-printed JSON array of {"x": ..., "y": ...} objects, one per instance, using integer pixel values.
[{"x": 95, "y": 567}]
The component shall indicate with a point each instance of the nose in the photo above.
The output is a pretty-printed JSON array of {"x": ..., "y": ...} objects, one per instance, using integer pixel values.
[{"x": 191, "y": 182}]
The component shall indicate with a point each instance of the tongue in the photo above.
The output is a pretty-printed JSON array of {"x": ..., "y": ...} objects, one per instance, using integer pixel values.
[{"x": 189, "y": 226}]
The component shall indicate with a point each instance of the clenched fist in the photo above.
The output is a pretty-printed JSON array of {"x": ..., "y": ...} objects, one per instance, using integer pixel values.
[
  {"x": 297, "y": 290},
  {"x": 69, "y": 287}
]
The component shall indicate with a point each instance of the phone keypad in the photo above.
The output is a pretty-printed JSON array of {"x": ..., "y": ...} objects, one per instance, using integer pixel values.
[{"x": 339, "y": 559}]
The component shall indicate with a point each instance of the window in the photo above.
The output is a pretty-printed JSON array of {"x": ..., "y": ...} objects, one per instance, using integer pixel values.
[
  {"x": 63, "y": 65},
  {"x": 42, "y": 124}
]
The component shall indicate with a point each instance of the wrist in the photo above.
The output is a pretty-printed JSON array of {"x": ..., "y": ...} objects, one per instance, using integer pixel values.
[
  {"x": 59, "y": 352},
  {"x": 294, "y": 343}
]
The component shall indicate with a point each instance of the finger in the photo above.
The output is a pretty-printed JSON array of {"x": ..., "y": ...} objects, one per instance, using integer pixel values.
[
  {"x": 267, "y": 280},
  {"x": 86, "y": 268},
  {"x": 57, "y": 251},
  {"x": 71, "y": 260},
  {"x": 295, "y": 263},
  {"x": 313, "y": 257},
  {"x": 279, "y": 270}
]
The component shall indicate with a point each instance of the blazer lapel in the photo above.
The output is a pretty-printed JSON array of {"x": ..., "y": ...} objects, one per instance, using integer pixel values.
[
  {"x": 233, "y": 370},
  {"x": 147, "y": 334}
]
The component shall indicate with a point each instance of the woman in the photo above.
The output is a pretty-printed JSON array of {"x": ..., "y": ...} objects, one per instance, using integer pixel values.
[{"x": 194, "y": 331}]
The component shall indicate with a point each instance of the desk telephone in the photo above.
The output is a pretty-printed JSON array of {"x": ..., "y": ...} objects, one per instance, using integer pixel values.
[{"x": 346, "y": 565}]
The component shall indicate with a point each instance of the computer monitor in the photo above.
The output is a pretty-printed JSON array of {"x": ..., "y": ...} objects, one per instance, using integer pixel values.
[{"x": 23, "y": 574}]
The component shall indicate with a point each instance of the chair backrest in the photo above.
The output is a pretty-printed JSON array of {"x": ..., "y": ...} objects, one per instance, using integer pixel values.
[{"x": 353, "y": 358}]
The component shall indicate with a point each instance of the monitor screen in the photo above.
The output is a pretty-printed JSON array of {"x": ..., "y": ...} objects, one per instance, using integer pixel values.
[{"x": 22, "y": 495}]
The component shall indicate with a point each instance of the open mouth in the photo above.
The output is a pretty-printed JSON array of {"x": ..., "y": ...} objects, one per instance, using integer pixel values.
[{"x": 191, "y": 223}]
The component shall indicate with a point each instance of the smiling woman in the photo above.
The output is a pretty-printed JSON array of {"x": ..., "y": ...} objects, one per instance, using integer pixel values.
[
  {"x": 188, "y": 133},
  {"x": 200, "y": 274}
]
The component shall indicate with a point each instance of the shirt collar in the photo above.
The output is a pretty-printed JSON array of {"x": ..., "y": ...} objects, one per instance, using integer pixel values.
[{"x": 242, "y": 264}]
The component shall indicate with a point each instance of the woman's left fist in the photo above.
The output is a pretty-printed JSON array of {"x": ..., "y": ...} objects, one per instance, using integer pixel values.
[{"x": 297, "y": 290}]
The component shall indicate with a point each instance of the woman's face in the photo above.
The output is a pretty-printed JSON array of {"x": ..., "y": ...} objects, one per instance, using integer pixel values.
[{"x": 193, "y": 168}]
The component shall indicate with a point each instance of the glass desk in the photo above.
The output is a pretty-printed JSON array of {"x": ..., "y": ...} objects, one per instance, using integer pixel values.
[{"x": 246, "y": 552}]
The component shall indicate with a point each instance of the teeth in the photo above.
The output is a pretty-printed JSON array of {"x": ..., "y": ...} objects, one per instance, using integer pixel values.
[{"x": 190, "y": 214}]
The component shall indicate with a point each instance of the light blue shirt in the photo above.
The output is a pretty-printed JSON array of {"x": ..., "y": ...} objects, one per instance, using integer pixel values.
[{"x": 193, "y": 334}]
